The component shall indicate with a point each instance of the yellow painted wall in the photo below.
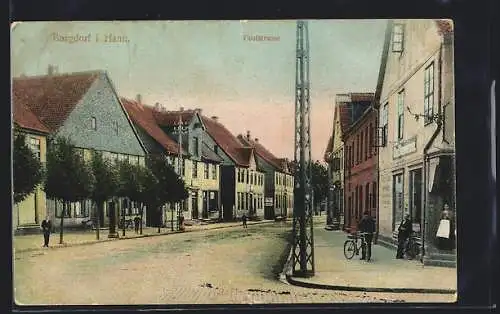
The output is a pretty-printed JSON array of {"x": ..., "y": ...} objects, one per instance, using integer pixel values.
[{"x": 33, "y": 209}]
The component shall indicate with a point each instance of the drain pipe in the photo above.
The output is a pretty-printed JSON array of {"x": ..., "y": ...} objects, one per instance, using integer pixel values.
[{"x": 439, "y": 123}]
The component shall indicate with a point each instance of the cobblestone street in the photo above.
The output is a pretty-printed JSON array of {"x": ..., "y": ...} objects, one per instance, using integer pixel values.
[{"x": 232, "y": 265}]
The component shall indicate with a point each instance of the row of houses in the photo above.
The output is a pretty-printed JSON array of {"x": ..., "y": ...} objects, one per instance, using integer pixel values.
[
  {"x": 392, "y": 151},
  {"x": 226, "y": 175}
]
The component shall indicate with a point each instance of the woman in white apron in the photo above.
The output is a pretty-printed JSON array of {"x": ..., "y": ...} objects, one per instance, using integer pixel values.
[{"x": 446, "y": 230}]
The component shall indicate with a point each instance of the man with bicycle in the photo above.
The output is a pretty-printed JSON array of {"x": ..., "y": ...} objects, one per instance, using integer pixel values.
[{"x": 367, "y": 226}]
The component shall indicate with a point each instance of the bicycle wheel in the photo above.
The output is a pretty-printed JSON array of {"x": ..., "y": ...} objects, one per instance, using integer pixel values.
[{"x": 349, "y": 249}]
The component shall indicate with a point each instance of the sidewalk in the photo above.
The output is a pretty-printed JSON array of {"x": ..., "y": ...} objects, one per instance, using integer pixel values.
[
  {"x": 34, "y": 242},
  {"x": 383, "y": 273}
]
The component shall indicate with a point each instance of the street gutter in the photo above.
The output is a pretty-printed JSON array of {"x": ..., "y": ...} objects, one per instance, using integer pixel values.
[{"x": 65, "y": 245}]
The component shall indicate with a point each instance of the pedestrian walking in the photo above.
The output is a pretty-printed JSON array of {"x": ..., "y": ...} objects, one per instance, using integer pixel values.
[
  {"x": 446, "y": 230},
  {"x": 404, "y": 232},
  {"x": 46, "y": 228},
  {"x": 244, "y": 220},
  {"x": 367, "y": 226},
  {"x": 137, "y": 222}
]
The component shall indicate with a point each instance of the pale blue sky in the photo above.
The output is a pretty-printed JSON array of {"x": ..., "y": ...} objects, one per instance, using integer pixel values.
[{"x": 209, "y": 65}]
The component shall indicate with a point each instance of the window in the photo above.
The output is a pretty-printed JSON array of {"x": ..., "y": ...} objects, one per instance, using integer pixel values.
[
  {"x": 214, "y": 172},
  {"x": 195, "y": 146},
  {"x": 374, "y": 195},
  {"x": 415, "y": 195},
  {"x": 59, "y": 209},
  {"x": 251, "y": 178},
  {"x": 401, "y": 111},
  {"x": 361, "y": 146},
  {"x": 34, "y": 145},
  {"x": 370, "y": 140},
  {"x": 183, "y": 166},
  {"x": 428, "y": 93},
  {"x": 367, "y": 147},
  {"x": 239, "y": 200},
  {"x": 398, "y": 38},
  {"x": 207, "y": 170},
  {"x": 397, "y": 201},
  {"x": 367, "y": 197},
  {"x": 384, "y": 121},
  {"x": 93, "y": 123},
  {"x": 195, "y": 169},
  {"x": 248, "y": 176}
]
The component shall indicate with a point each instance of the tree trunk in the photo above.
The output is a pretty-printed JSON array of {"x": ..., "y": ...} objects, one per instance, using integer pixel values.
[
  {"x": 172, "y": 218},
  {"x": 123, "y": 221},
  {"x": 141, "y": 212},
  {"x": 62, "y": 223},
  {"x": 98, "y": 218},
  {"x": 158, "y": 210}
]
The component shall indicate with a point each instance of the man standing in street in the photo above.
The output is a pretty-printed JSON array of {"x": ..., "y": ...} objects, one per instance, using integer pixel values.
[
  {"x": 367, "y": 226},
  {"x": 46, "y": 228},
  {"x": 404, "y": 232},
  {"x": 244, "y": 220}
]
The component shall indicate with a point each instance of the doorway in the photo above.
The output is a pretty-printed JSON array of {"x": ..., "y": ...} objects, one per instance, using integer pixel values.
[{"x": 194, "y": 205}]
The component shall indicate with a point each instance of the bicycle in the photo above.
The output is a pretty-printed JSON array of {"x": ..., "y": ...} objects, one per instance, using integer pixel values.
[
  {"x": 351, "y": 246},
  {"x": 412, "y": 247}
]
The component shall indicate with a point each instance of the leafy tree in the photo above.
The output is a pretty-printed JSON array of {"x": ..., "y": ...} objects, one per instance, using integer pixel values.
[
  {"x": 170, "y": 187},
  {"x": 131, "y": 178},
  {"x": 319, "y": 177},
  {"x": 106, "y": 183},
  {"x": 27, "y": 169},
  {"x": 69, "y": 179}
]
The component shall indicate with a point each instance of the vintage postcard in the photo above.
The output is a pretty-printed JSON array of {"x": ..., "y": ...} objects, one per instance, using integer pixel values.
[{"x": 233, "y": 162}]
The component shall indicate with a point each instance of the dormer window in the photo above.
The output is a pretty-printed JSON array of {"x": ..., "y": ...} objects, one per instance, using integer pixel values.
[
  {"x": 398, "y": 38},
  {"x": 93, "y": 123}
]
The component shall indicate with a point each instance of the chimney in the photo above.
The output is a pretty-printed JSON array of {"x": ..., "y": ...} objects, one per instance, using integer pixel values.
[
  {"x": 157, "y": 106},
  {"x": 248, "y": 135},
  {"x": 163, "y": 109},
  {"x": 51, "y": 70},
  {"x": 181, "y": 109},
  {"x": 256, "y": 140},
  {"x": 198, "y": 110},
  {"x": 215, "y": 118},
  {"x": 138, "y": 98}
]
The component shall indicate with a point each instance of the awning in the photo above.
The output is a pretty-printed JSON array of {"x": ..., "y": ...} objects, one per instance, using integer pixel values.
[{"x": 433, "y": 168}]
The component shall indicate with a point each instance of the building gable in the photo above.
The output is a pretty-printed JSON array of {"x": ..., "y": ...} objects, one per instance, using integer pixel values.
[{"x": 100, "y": 122}]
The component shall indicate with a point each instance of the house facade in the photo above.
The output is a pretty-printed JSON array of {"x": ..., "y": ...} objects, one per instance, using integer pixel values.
[
  {"x": 201, "y": 170},
  {"x": 334, "y": 157},
  {"x": 278, "y": 181},
  {"x": 416, "y": 123},
  {"x": 242, "y": 184},
  {"x": 28, "y": 214},
  {"x": 85, "y": 108},
  {"x": 360, "y": 174}
]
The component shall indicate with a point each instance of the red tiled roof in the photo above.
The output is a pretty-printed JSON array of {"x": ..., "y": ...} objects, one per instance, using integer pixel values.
[
  {"x": 52, "y": 98},
  {"x": 344, "y": 116},
  {"x": 355, "y": 97},
  {"x": 171, "y": 118},
  {"x": 143, "y": 116},
  {"x": 261, "y": 151},
  {"x": 227, "y": 141},
  {"x": 444, "y": 26},
  {"x": 23, "y": 117}
]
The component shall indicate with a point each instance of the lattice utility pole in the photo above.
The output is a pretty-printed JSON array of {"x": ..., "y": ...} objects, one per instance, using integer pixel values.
[{"x": 303, "y": 244}]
